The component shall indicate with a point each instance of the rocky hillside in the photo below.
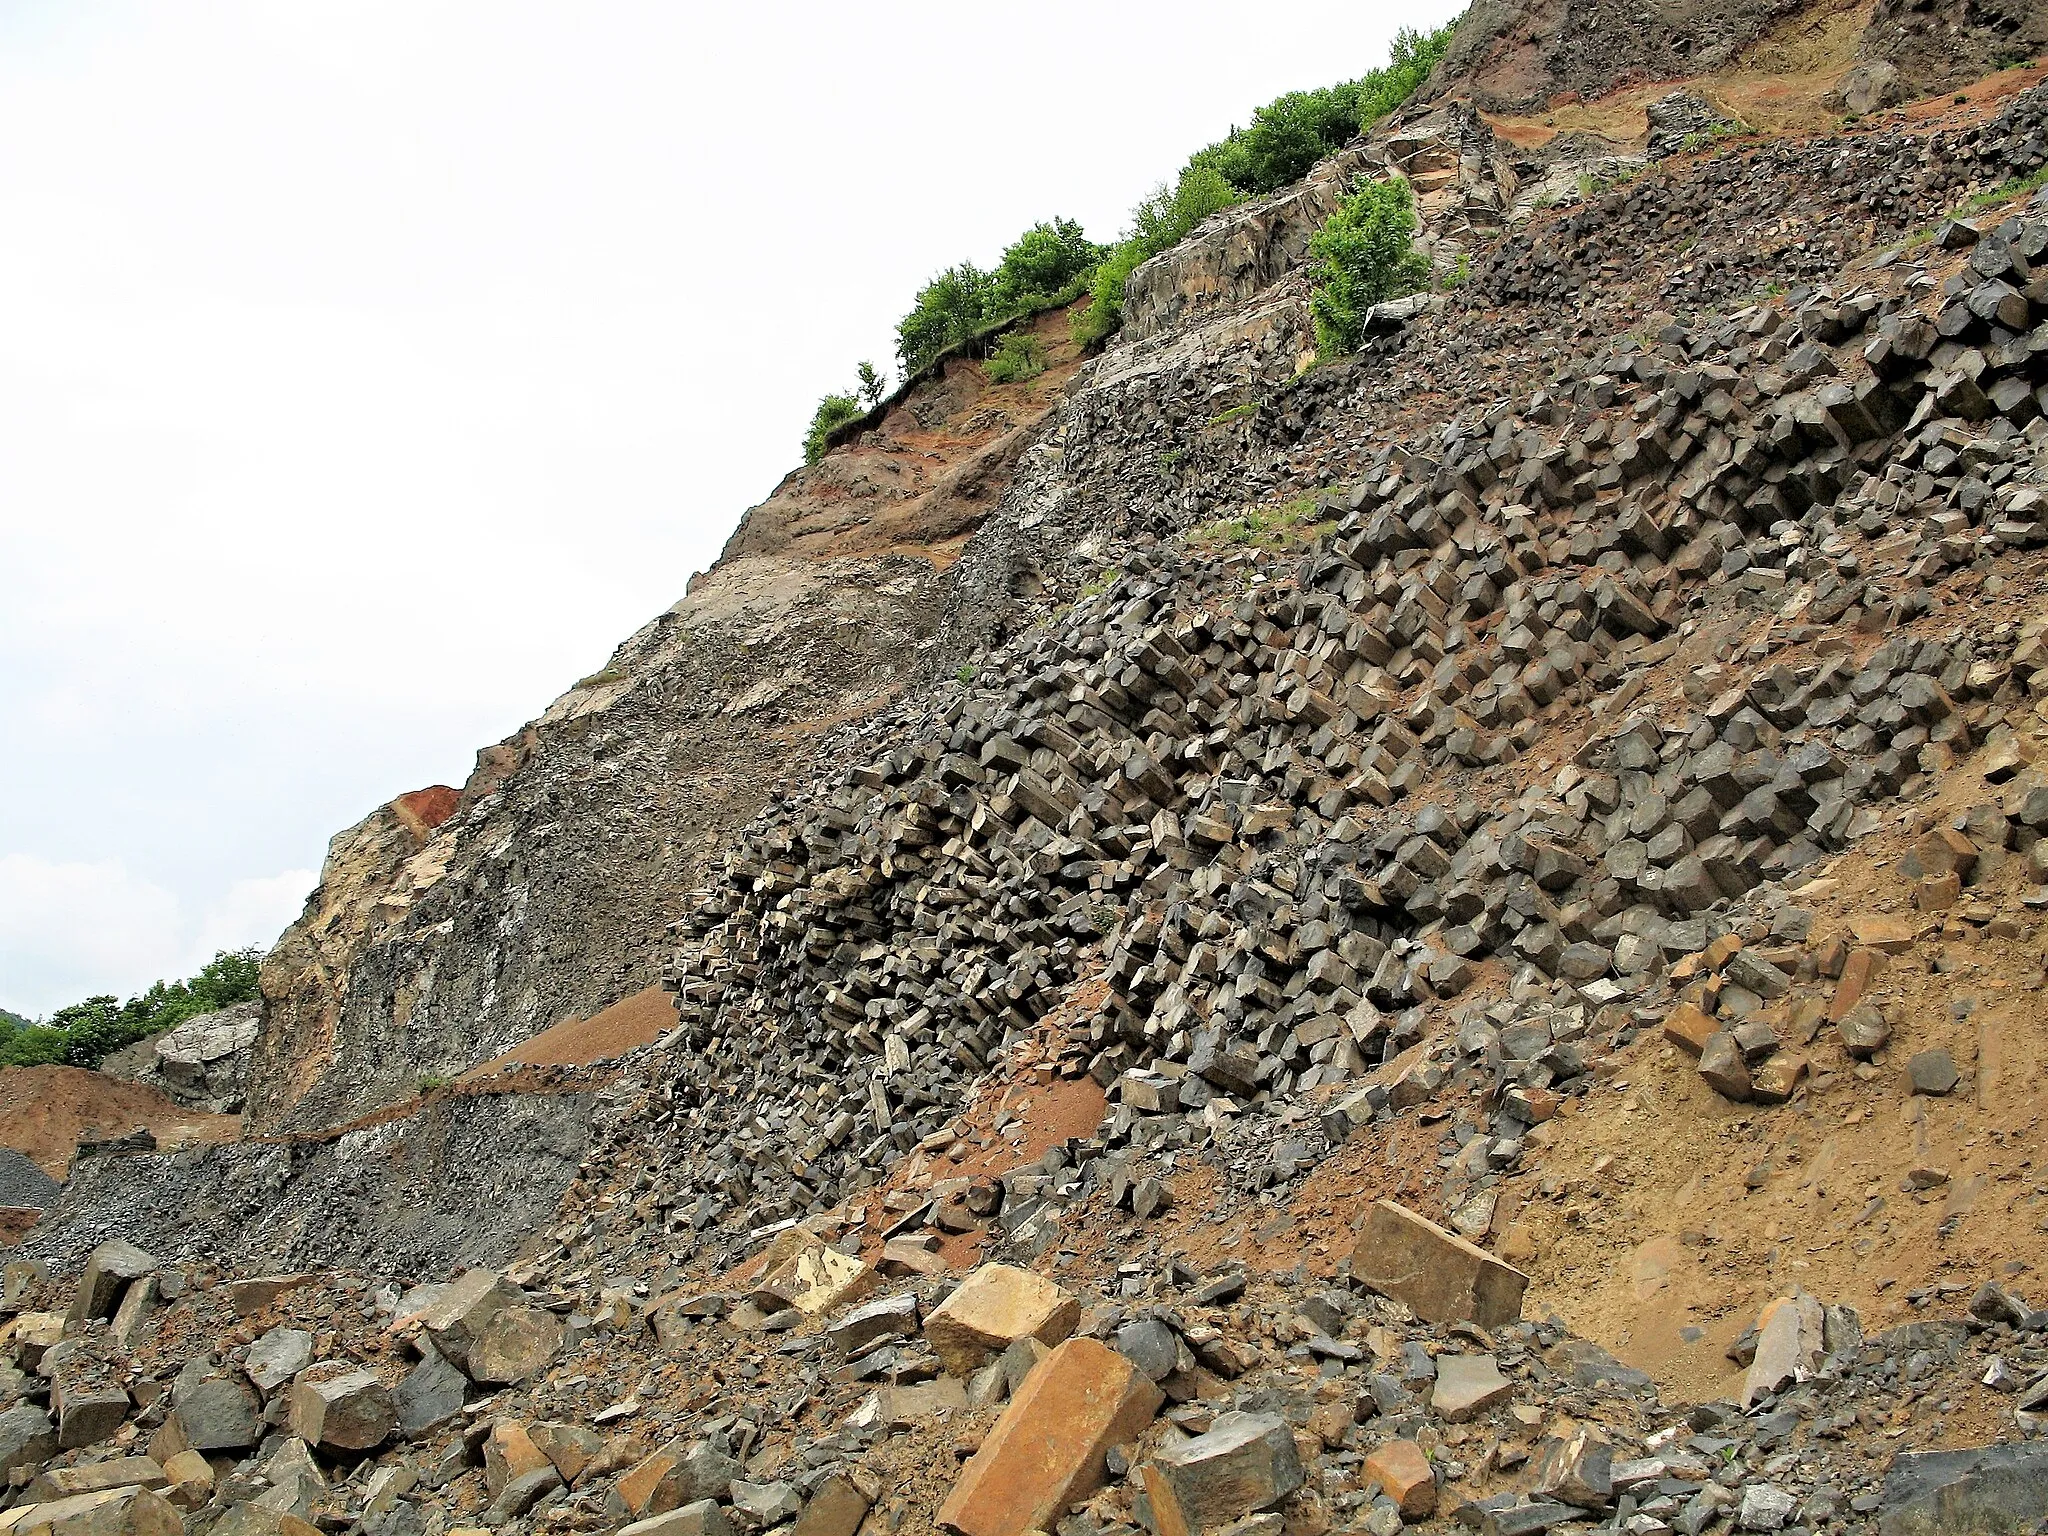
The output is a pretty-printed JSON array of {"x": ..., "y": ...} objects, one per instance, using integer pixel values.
[{"x": 1223, "y": 941}]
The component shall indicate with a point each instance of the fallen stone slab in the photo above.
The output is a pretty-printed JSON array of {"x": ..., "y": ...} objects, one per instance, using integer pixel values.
[
  {"x": 1438, "y": 1275},
  {"x": 1401, "y": 1470},
  {"x": 1467, "y": 1386},
  {"x": 1791, "y": 1337},
  {"x": 836, "y": 1508},
  {"x": 431, "y": 1393},
  {"x": 1988, "y": 1490},
  {"x": 107, "y": 1273},
  {"x": 1245, "y": 1462},
  {"x": 992, "y": 1309},
  {"x": 353, "y": 1411},
  {"x": 277, "y": 1357},
  {"x": 97, "y": 1477},
  {"x": 28, "y": 1438},
  {"x": 112, "y": 1512},
  {"x": 1050, "y": 1447},
  {"x": 457, "y": 1317},
  {"x": 703, "y": 1518}
]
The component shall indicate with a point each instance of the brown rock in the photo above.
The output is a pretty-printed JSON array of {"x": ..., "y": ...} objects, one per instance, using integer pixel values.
[
  {"x": 1689, "y": 1029},
  {"x": 509, "y": 1454},
  {"x": 573, "y": 1449},
  {"x": 349, "y": 1412},
  {"x": 248, "y": 1297},
  {"x": 836, "y": 1509},
  {"x": 514, "y": 1344},
  {"x": 1778, "y": 1079},
  {"x": 994, "y": 1308},
  {"x": 1725, "y": 1071},
  {"x": 98, "y": 1477},
  {"x": 190, "y": 1476},
  {"x": 107, "y": 1273},
  {"x": 1440, "y": 1276},
  {"x": 456, "y": 1318},
  {"x": 1862, "y": 967},
  {"x": 112, "y": 1512},
  {"x": 1874, "y": 930},
  {"x": 1047, "y": 1451},
  {"x": 1402, "y": 1471}
]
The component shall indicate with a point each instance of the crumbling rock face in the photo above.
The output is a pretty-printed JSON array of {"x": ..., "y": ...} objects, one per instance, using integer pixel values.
[
  {"x": 202, "y": 1064},
  {"x": 1512, "y": 56},
  {"x": 1913, "y": 48},
  {"x": 463, "y": 1180}
]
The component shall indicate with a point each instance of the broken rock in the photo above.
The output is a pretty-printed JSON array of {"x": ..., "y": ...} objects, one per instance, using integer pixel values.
[
  {"x": 1440, "y": 1276},
  {"x": 993, "y": 1308}
]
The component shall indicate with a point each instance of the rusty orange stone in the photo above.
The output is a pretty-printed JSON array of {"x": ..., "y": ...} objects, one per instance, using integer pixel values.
[
  {"x": 1048, "y": 1450},
  {"x": 1689, "y": 1029},
  {"x": 1402, "y": 1470}
]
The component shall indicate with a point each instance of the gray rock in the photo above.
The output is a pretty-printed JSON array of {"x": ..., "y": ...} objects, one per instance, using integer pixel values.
[
  {"x": 431, "y": 1394},
  {"x": 1150, "y": 1345},
  {"x": 1933, "y": 1072},
  {"x": 1246, "y": 1461},
  {"x": 218, "y": 1411},
  {"x": 27, "y": 1438},
  {"x": 1986, "y": 1491},
  {"x": 277, "y": 1357}
]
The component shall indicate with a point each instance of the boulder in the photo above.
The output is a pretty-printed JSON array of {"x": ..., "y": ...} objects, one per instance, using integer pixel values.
[
  {"x": 992, "y": 1309},
  {"x": 1987, "y": 1490},
  {"x": 836, "y": 1508},
  {"x": 1245, "y": 1462},
  {"x": 1791, "y": 1338},
  {"x": 28, "y": 1438},
  {"x": 514, "y": 1344},
  {"x": 352, "y": 1411},
  {"x": 509, "y": 1454},
  {"x": 87, "y": 1412},
  {"x": 456, "y": 1318},
  {"x": 216, "y": 1411},
  {"x": 261, "y": 1520},
  {"x": 1439, "y": 1275},
  {"x": 1050, "y": 1447},
  {"x": 674, "y": 1476},
  {"x": 129, "y": 1511},
  {"x": 277, "y": 1357},
  {"x": 95, "y": 1477},
  {"x": 107, "y": 1273}
]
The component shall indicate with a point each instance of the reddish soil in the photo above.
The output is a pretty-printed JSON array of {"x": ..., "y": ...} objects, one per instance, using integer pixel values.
[
  {"x": 45, "y": 1110},
  {"x": 627, "y": 1025},
  {"x": 422, "y": 810}
]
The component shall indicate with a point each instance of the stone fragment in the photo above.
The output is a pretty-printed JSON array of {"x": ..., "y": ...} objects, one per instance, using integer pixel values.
[
  {"x": 521, "y": 1494},
  {"x": 248, "y": 1297},
  {"x": 216, "y": 1411},
  {"x": 757, "y": 1506},
  {"x": 1723, "y": 1068},
  {"x": 431, "y": 1393},
  {"x": 113, "y": 1512},
  {"x": 702, "y": 1518},
  {"x": 1689, "y": 1029},
  {"x": 572, "y": 1448},
  {"x": 86, "y": 1414},
  {"x": 189, "y": 1479},
  {"x": 1864, "y": 1031},
  {"x": 1440, "y": 1276},
  {"x": 835, "y": 1508},
  {"x": 1467, "y": 1386},
  {"x": 1791, "y": 1338},
  {"x": 1402, "y": 1471},
  {"x": 1932, "y": 1072},
  {"x": 456, "y": 1318},
  {"x": 514, "y": 1344},
  {"x": 107, "y": 1273},
  {"x": 1986, "y": 1490},
  {"x": 891, "y": 1317},
  {"x": 800, "y": 1271},
  {"x": 509, "y": 1454},
  {"x": 352, "y": 1411},
  {"x": 1245, "y": 1462},
  {"x": 676, "y": 1475},
  {"x": 1764, "y": 1507},
  {"x": 1048, "y": 1450},
  {"x": 254, "y": 1519},
  {"x": 1577, "y": 1470},
  {"x": 277, "y": 1357},
  {"x": 95, "y": 1477},
  {"x": 992, "y": 1309}
]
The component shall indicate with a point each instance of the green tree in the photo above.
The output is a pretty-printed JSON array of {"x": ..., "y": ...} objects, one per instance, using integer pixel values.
[
  {"x": 1018, "y": 357},
  {"x": 1041, "y": 267},
  {"x": 84, "y": 1034},
  {"x": 833, "y": 411},
  {"x": 873, "y": 385},
  {"x": 1363, "y": 256},
  {"x": 948, "y": 309}
]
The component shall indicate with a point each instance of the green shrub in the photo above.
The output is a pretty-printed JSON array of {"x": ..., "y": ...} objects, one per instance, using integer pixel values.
[
  {"x": 833, "y": 411},
  {"x": 1020, "y": 356},
  {"x": 1158, "y": 224},
  {"x": 1048, "y": 265},
  {"x": 1364, "y": 255},
  {"x": 434, "y": 1082},
  {"x": 1287, "y": 136},
  {"x": 873, "y": 384},
  {"x": 85, "y": 1034}
]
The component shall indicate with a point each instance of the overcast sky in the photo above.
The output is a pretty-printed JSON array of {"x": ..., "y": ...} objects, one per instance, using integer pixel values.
[{"x": 368, "y": 370}]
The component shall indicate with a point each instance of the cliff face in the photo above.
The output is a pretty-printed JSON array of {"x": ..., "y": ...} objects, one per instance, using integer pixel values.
[
  {"x": 446, "y": 930},
  {"x": 907, "y": 553}
]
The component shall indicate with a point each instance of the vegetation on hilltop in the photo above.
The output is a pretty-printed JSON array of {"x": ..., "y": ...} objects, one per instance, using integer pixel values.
[
  {"x": 1286, "y": 137},
  {"x": 85, "y": 1034},
  {"x": 1053, "y": 262},
  {"x": 1365, "y": 254}
]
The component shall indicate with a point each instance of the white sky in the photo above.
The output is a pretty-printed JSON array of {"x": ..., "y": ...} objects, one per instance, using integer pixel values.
[{"x": 369, "y": 368}]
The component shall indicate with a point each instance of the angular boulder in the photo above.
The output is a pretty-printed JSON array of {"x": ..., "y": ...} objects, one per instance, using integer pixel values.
[
  {"x": 352, "y": 1411},
  {"x": 1049, "y": 1448},
  {"x": 1245, "y": 1462},
  {"x": 456, "y": 1318},
  {"x": 1437, "y": 1274},
  {"x": 993, "y": 1308},
  {"x": 514, "y": 1344},
  {"x": 107, "y": 1273}
]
